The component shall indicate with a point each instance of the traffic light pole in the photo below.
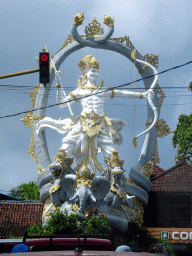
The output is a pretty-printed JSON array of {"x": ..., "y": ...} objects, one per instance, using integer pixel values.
[{"x": 20, "y": 73}]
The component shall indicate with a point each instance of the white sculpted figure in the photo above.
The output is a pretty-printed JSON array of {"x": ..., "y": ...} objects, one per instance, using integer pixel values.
[{"x": 92, "y": 131}]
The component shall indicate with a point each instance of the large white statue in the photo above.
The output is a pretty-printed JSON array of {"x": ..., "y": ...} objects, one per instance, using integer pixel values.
[
  {"x": 92, "y": 131},
  {"x": 80, "y": 190}
]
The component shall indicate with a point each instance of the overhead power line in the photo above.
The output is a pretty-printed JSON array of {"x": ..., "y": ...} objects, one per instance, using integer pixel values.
[
  {"x": 164, "y": 71},
  {"x": 16, "y": 87},
  {"x": 107, "y": 89}
]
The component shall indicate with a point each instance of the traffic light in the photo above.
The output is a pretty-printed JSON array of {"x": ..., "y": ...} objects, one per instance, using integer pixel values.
[{"x": 44, "y": 68}]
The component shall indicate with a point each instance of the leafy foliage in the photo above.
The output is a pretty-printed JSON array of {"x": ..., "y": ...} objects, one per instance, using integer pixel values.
[
  {"x": 190, "y": 86},
  {"x": 30, "y": 191},
  {"x": 61, "y": 223},
  {"x": 182, "y": 138},
  {"x": 95, "y": 225},
  {"x": 141, "y": 237},
  {"x": 37, "y": 230},
  {"x": 166, "y": 244},
  {"x": 12, "y": 236}
]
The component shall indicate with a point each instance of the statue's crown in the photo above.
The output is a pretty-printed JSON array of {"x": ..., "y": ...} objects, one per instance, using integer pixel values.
[
  {"x": 114, "y": 160},
  {"x": 87, "y": 63},
  {"x": 84, "y": 176}
]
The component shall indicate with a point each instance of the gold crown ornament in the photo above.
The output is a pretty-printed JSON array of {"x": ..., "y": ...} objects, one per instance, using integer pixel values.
[
  {"x": 84, "y": 176},
  {"x": 87, "y": 63},
  {"x": 61, "y": 162},
  {"x": 114, "y": 160}
]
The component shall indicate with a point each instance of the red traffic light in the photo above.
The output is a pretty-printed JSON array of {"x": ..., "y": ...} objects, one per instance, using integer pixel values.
[
  {"x": 44, "y": 57},
  {"x": 44, "y": 68}
]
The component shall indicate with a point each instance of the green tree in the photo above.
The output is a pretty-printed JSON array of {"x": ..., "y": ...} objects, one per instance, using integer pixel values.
[
  {"x": 190, "y": 86},
  {"x": 182, "y": 139},
  {"x": 30, "y": 191}
]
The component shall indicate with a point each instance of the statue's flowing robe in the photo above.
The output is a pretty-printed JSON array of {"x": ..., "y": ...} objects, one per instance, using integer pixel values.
[{"x": 86, "y": 135}]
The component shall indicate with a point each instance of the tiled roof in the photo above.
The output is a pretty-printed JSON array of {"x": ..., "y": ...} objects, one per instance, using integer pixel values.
[
  {"x": 175, "y": 179},
  {"x": 17, "y": 216},
  {"x": 157, "y": 171}
]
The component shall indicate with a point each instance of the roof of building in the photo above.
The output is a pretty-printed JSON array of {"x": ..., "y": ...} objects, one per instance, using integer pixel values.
[
  {"x": 176, "y": 179},
  {"x": 156, "y": 171},
  {"x": 8, "y": 197}
]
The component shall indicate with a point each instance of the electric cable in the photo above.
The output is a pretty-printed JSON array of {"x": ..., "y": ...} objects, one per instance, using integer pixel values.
[
  {"x": 164, "y": 71},
  {"x": 107, "y": 89}
]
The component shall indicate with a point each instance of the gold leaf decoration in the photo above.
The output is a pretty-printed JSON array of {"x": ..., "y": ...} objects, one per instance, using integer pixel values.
[
  {"x": 152, "y": 59},
  {"x": 143, "y": 69},
  {"x": 55, "y": 208},
  {"x": 68, "y": 41},
  {"x": 138, "y": 211},
  {"x": 161, "y": 98},
  {"x": 29, "y": 118},
  {"x": 94, "y": 29},
  {"x": 108, "y": 20},
  {"x": 163, "y": 128},
  {"x": 31, "y": 149},
  {"x": 32, "y": 94},
  {"x": 78, "y": 19},
  {"x": 40, "y": 169},
  {"x": 74, "y": 207},
  {"x": 74, "y": 186},
  {"x": 53, "y": 189}
]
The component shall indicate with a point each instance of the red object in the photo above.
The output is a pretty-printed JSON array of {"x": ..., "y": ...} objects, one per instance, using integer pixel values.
[
  {"x": 72, "y": 243},
  {"x": 44, "y": 57}
]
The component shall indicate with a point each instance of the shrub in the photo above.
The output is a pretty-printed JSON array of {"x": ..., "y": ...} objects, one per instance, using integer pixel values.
[
  {"x": 36, "y": 230},
  {"x": 61, "y": 223},
  {"x": 95, "y": 225}
]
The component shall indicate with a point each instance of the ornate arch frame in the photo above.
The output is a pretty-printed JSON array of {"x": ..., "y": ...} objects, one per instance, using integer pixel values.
[{"x": 139, "y": 184}]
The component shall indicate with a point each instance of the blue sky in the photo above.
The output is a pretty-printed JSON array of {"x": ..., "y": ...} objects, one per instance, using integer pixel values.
[{"x": 159, "y": 27}]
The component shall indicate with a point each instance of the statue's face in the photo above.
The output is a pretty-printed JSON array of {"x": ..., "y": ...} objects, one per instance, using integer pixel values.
[
  {"x": 117, "y": 177},
  {"x": 92, "y": 74}
]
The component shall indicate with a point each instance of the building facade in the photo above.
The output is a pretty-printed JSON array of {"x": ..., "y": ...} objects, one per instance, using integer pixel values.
[{"x": 169, "y": 212}]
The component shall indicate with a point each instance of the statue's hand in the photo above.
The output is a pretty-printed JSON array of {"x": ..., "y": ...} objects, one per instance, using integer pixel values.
[
  {"x": 108, "y": 21},
  {"x": 78, "y": 19},
  {"x": 149, "y": 94}
]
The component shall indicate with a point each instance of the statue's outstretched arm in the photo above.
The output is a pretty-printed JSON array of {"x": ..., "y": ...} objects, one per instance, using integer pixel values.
[
  {"x": 128, "y": 94},
  {"x": 63, "y": 101},
  {"x": 124, "y": 94}
]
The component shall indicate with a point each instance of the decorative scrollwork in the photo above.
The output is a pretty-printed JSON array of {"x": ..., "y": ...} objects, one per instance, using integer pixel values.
[
  {"x": 78, "y": 19},
  {"x": 67, "y": 42},
  {"x": 64, "y": 161},
  {"x": 152, "y": 59},
  {"x": 40, "y": 169},
  {"x": 94, "y": 29},
  {"x": 138, "y": 211},
  {"x": 161, "y": 98},
  {"x": 74, "y": 207},
  {"x": 32, "y": 94},
  {"x": 29, "y": 118},
  {"x": 108, "y": 20},
  {"x": 163, "y": 128},
  {"x": 31, "y": 149}
]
